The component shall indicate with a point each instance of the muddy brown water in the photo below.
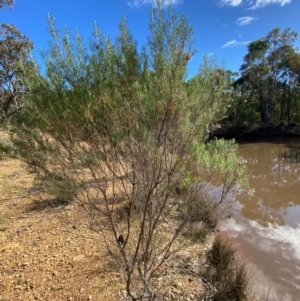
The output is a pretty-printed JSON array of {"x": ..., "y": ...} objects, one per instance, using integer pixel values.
[{"x": 266, "y": 225}]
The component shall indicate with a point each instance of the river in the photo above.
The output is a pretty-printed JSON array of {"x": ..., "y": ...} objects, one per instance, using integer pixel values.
[{"x": 266, "y": 224}]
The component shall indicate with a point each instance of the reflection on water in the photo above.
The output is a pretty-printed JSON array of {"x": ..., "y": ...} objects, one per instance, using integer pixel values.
[
  {"x": 273, "y": 251},
  {"x": 267, "y": 224},
  {"x": 293, "y": 154},
  {"x": 274, "y": 174}
]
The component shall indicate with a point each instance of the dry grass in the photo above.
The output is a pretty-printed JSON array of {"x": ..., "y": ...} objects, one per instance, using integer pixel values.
[{"x": 228, "y": 279}]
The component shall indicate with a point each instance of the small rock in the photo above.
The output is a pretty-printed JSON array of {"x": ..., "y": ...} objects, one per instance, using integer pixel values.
[
  {"x": 17, "y": 287},
  {"x": 178, "y": 284},
  {"x": 78, "y": 257}
]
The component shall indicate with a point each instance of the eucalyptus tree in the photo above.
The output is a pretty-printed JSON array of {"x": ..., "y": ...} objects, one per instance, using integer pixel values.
[
  {"x": 15, "y": 48},
  {"x": 116, "y": 130},
  {"x": 262, "y": 71},
  {"x": 290, "y": 78}
]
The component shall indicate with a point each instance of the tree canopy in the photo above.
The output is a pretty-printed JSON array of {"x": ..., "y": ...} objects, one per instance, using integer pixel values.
[
  {"x": 15, "y": 49},
  {"x": 269, "y": 82}
]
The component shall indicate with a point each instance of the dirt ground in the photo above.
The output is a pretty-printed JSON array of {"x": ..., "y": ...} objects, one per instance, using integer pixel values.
[{"x": 46, "y": 256}]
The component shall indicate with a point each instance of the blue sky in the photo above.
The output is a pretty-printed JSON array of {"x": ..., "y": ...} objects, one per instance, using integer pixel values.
[{"x": 221, "y": 27}]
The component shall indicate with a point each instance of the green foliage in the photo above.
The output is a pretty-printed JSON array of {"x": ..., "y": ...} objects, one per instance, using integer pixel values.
[
  {"x": 15, "y": 50},
  {"x": 218, "y": 159},
  {"x": 210, "y": 94},
  {"x": 109, "y": 120},
  {"x": 110, "y": 90},
  {"x": 269, "y": 82},
  {"x": 5, "y": 149}
]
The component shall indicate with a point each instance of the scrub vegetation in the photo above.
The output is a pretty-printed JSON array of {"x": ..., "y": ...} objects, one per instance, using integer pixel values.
[{"x": 116, "y": 135}]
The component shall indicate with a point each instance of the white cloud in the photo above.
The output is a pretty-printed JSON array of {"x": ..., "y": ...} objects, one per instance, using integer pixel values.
[
  {"x": 233, "y": 227},
  {"x": 277, "y": 245},
  {"x": 271, "y": 239},
  {"x": 139, "y": 3},
  {"x": 234, "y": 43},
  {"x": 244, "y": 20},
  {"x": 231, "y": 2},
  {"x": 285, "y": 238},
  {"x": 253, "y": 4},
  {"x": 263, "y": 3}
]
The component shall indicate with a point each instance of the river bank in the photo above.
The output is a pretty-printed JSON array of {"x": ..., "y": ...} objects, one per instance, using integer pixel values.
[{"x": 256, "y": 131}]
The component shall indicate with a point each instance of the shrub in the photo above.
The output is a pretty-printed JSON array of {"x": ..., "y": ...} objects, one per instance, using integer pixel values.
[{"x": 112, "y": 126}]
